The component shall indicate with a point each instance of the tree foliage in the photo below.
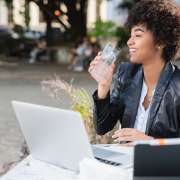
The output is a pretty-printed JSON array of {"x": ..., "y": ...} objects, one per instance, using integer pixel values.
[{"x": 103, "y": 29}]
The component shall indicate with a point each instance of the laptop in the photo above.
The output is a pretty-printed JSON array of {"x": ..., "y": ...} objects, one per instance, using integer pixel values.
[
  {"x": 154, "y": 162},
  {"x": 58, "y": 137}
]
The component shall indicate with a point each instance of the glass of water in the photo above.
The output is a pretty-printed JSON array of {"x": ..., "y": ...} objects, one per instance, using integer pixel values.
[{"x": 109, "y": 56}]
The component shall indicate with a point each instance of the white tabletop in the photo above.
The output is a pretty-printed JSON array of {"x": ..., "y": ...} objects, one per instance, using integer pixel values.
[{"x": 32, "y": 169}]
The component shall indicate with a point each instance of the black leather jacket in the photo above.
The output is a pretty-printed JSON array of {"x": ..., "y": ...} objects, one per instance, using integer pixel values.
[{"x": 122, "y": 103}]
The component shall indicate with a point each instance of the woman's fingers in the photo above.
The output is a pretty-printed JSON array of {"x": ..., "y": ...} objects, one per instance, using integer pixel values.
[
  {"x": 125, "y": 138},
  {"x": 92, "y": 65},
  {"x": 95, "y": 62},
  {"x": 108, "y": 79},
  {"x": 130, "y": 134},
  {"x": 112, "y": 68},
  {"x": 99, "y": 53},
  {"x": 123, "y": 132},
  {"x": 126, "y": 134}
]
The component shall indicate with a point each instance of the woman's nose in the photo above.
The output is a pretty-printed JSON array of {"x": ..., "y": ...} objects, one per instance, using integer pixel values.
[{"x": 130, "y": 41}]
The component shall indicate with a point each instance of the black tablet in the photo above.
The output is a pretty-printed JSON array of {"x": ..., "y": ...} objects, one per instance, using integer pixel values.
[{"x": 154, "y": 162}]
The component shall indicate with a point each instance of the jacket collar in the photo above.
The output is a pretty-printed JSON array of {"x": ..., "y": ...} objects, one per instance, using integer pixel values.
[
  {"x": 134, "y": 93},
  {"x": 161, "y": 87}
]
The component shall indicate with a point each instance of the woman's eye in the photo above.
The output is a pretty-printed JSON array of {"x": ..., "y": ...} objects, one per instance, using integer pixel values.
[{"x": 137, "y": 35}]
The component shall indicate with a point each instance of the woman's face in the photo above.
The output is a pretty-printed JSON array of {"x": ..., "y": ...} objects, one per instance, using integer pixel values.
[{"x": 141, "y": 45}]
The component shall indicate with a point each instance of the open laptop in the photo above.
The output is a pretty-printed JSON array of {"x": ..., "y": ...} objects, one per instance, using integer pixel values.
[{"x": 59, "y": 137}]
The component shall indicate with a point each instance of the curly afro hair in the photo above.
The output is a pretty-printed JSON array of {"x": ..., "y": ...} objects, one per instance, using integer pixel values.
[{"x": 162, "y": 18}]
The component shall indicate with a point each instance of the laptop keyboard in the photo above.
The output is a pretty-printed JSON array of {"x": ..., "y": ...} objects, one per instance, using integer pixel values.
[
  {"x": 104, "y": 155},
  {"x": 108, "y": 162}
]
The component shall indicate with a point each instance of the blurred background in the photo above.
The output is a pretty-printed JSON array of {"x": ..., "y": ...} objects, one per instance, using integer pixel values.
[
  {"x": 60, "y": 23},
  {"x": 40, "y": 38}
]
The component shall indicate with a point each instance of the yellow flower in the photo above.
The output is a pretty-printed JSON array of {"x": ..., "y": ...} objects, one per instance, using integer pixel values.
[{"x": 81, "y": 100}]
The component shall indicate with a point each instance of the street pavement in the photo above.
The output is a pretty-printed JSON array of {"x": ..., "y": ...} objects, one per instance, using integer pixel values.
[{"x": 21, "y": 81}]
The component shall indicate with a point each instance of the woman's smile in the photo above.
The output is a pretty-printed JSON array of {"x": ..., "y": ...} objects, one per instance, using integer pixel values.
[{"x": 132, "y": 51}]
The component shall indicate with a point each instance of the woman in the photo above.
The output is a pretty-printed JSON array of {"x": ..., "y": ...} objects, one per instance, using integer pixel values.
[{"x": 146, "y": 94}]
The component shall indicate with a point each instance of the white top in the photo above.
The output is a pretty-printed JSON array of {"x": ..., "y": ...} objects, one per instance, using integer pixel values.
[{"x": 142, "y": 114}]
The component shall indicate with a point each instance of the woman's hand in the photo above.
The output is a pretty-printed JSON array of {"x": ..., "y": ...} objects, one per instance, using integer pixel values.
[
  {"x": 105, "y": 84},
  {"x": 130, "y": 135}
]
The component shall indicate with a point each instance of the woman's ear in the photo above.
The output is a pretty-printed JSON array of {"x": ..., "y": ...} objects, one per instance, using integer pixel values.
[{"x": 160, "y": 47}]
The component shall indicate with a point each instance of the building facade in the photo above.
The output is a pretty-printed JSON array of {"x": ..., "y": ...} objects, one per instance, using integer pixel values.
[
  {"x": 18, "y": 5},
  {"x": 108, "y": 12}
]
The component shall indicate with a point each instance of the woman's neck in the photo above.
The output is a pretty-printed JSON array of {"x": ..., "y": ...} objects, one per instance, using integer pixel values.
[{"x": 152, "y": 72}]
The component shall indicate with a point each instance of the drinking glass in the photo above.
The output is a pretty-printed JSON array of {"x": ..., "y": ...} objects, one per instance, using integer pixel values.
[{"x": 109, "y": 56}]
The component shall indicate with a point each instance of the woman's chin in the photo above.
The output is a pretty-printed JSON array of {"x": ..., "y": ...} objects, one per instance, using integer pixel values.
[{"x": 135, "y": 61}]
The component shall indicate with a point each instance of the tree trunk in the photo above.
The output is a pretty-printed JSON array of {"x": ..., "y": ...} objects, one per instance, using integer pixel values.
[
  {"x": 98, "y": 12},
  {"x": 77, "y": 18},
  {"x": 10, "y": 14},
  {"x": 48, "y": 30},
  {"x": 9, "y": 4},
  {"x": 26, "y": 14},
  {"x": 83, "y": 18}
]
